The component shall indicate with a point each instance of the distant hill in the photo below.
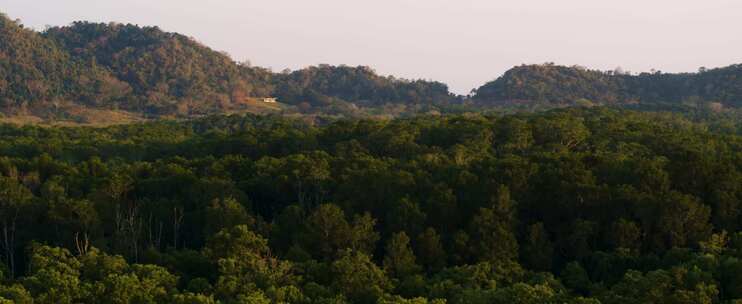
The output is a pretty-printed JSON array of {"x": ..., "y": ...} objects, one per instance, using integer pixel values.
[
  {"x": 152, "y": 72},
  {"x": 117, "y": 66},
  {"x": 167, "y": 72},
  {"x": 320, "y": 85},
  {"x": 124, "y": 70},
  {"x": 549, "y": 83},
  {"x": 37, "y": 74}
]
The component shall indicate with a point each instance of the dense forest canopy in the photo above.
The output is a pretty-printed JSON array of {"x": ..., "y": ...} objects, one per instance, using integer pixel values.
[
  {"x": 567, "y": 206},
  {"x": 569, "y": 85}
]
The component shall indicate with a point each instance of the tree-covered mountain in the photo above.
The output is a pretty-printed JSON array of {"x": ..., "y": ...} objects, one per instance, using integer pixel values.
[
  {"x": 164, "y": 71},
  {"x": 146, "y": 71},
  {"x": 549, "y": 83},
  {"x": 322, "y": 84},
  {"x": 150, "y": 71},
  {"x": 115, "y": 66},
  {"x": 552, "y": 83},
  {"x": 36, "y": 74}
]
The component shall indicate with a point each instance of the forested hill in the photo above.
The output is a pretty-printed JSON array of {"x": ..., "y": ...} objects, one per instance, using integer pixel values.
[
  {"x": 161, "y": 71},
  {"x": 549, "y": 83},
  {"x": 149, "y": 71},
  {"x": 35, "y": 70},
  {"x": 320, "y": 85}
]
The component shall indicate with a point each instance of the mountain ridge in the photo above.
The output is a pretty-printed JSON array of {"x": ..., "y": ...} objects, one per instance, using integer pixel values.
[
  {"x": 147, "y": 72},
  {"x": 155, "y": 73},
  {"x": 556, "y": 84}
]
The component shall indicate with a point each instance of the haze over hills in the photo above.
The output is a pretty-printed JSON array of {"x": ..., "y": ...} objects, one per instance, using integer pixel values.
[{"x": 147, "y": 72}]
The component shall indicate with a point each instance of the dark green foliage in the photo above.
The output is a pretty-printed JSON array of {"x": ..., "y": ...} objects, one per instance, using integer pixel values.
[
  {"x": 553, "y": 83},
  {"x": 625, "y": 206},
  {"x": 399, "y": 260},
  {"x": 324, "y": 85},
  {"x": 549, "y": 83}
]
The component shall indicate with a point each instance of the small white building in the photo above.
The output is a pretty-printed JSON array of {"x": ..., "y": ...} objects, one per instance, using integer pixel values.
[{"x": 268, "y": 99}]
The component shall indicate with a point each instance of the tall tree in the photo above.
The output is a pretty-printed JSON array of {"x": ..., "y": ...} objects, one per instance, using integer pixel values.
[
  {"x": 399, "y": 260},
  {"x": 14, "y": 200},
  {"x": 493, "y": 230}
]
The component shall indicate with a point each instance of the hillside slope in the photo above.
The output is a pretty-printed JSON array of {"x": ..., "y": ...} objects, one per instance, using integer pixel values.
[
  {"x": 153, "y": 73},
  {"x": 320, "y": 85},
  {"x": 549, "y": 83},
  {"x": 149, "y": 73},
  {"x": 37, "y": 75},
  {"x": 167, "y": 72}
]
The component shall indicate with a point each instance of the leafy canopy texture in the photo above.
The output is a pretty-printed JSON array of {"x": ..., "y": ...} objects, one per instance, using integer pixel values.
[{"x": 578, "y": 205}]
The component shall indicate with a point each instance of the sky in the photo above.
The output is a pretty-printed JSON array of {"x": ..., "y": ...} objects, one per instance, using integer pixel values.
[{"x": 463, "y": 43}]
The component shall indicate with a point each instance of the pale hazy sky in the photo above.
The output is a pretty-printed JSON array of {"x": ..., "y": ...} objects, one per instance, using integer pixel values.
[{"x": 463, "y": 43}]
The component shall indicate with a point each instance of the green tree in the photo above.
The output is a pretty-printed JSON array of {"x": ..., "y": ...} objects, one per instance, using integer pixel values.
[
  {"x": 191, "y": 298},
  {"x": 16, "y": 294},
  {"x": 575, "y": 277},
  {"x": 357, "y": 277},
  {"x": 399, "y": 261},
  {"x": 683, "y": 221},
  {"x": 328, "y": 232},
  {"x": 492, "y": 230},
  {"x": 245, "y": 264},
  {"x": 140, "y": 284},
  {"x": 54, "y": 276},
  {"x": 430, "y": 250},
  {"x": 538, "y": 250},
  {"x": 225, "y": 213},
  {"x": 625, "y": 234},
  {"x": 662, "y": 286},
  {"x": 581, "y": 240},
  {"x": 14, "y": 200}
]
